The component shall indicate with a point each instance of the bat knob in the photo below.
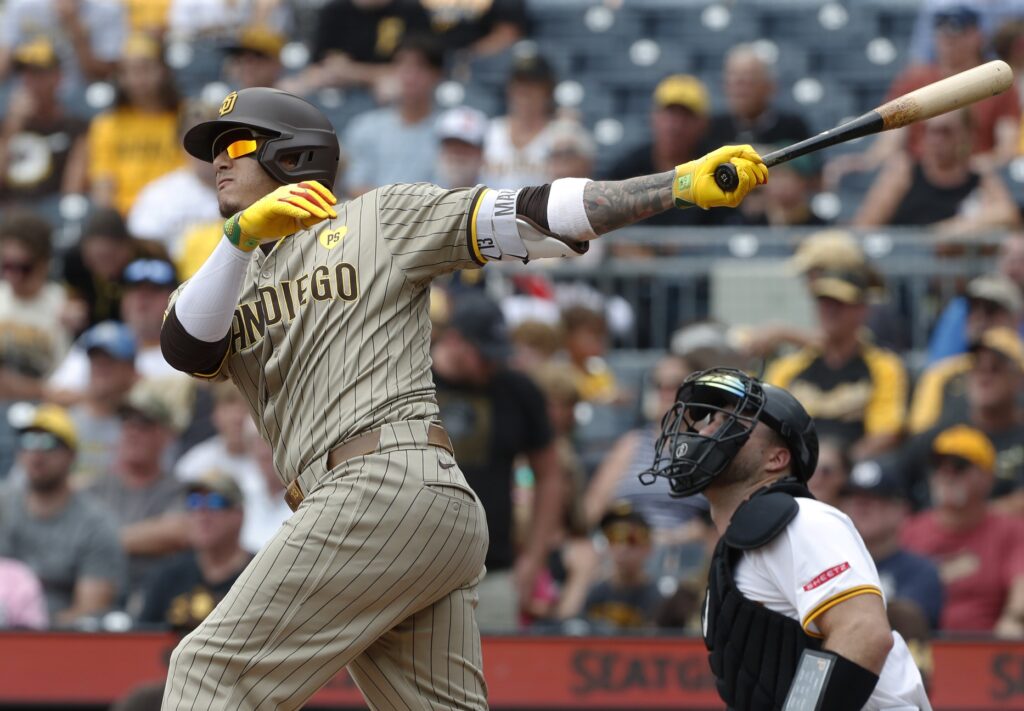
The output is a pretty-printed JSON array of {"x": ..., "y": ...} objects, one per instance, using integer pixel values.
[{"x": 726, "y": 177}]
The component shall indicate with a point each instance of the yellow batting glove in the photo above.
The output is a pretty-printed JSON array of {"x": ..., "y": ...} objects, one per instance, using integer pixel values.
[
  {"x": 694, "y": 182},
  {"x": 285, "y": 211}
]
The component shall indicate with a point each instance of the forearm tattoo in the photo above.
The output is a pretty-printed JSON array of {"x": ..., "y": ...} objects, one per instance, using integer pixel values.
[{"x": 614, "y": 204}]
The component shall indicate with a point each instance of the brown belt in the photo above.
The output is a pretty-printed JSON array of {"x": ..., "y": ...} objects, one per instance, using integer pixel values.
[{"x": 360, "y": 446}]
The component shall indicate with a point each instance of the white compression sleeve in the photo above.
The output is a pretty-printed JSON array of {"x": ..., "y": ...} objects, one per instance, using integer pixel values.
[
  {"x": 207, "y": 303},
  {"x": 567, "y": 213}
]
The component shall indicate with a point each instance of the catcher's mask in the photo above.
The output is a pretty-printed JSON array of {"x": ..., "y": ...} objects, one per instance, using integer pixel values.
[
  {"x": 690, "y": 460},
  {"x": 292, "y": 128}
]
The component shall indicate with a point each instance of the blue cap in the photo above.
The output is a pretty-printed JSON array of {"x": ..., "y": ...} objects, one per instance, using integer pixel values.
[
  {"x": 957, "y": 18},
  {"x": 159, "y": 272},
  {"x": 112, "y": 337}
]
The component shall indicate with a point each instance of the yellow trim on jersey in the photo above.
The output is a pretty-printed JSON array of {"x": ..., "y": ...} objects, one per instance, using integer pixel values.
[
  {"x": 474, "y": 247},
  {"x": 214, "y": 374},
  {"x": 926, "y": 405},
  {"x": 887, "y": 408},
  {"x": 828, "y": 603},
  {"x": 784, "y": 370}
]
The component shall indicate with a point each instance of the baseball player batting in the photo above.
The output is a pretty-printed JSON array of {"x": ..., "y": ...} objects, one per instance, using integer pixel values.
[{"x": 319, "y": 314}]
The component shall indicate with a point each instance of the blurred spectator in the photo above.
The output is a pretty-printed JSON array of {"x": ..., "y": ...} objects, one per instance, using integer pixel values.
[
  {"x": 958, "y": 46},
  {"x": 148, "y": 16},
  {"x": 266, "y": 510},
  {"x": 562, "y": 587},
  {"x": 749, "y": 87},
  {"x": 495, "y": 415},
  {"x": 987, "y": 395},
  {"x": 139, "y": 495},
  {"x": 146, "y": 286},
  {"x": 110, "y": 347},
  {"x": 518, "y": 143},
  {"x": 354, "y": 42},
  {"x": 254, "y": 58},
  {"x": 191, "y": 19},
  {"x": 679, "y": 133},
  {"x": 950, "y": 334},
  {"x": 940, "y": 188},
  {"x": 460, "y": 156},
  {"x": 586, "y": 342},
  {"x": 66, "y": 539},
  {"x": 786, "y": 199},
  {"x": 991, "y": 14},
  {"x": 137, "y": 140},
  {"x": 832, "y": 472},
  {"x": 628, "y": 599},
  {"x": 166, "y": 208},
  {"x": 874, "y": 500},
  {"x": 980, "y": 553},
  {"x": 92, "y": 269},
  {"x": 854, "y": 390},
  {"x": 398, "y": 144},
  {"x": 534, "y": 344},
  {"x": 88, "y": 34},
  {"x": 482, "y": 27},
  {"x": 182, "y": 591},
  {"x": 145, "y": 697},
  {"x": 42, "y": 147},
  {"x": 22, "y": 604},
  {"x": 993, "y": 302},
  {"x": 571, "y": 154},
  {"x": 32, "y": 335}
]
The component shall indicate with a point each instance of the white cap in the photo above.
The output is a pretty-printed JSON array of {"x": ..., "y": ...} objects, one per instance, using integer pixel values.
[{"x": 463, "y": 124}]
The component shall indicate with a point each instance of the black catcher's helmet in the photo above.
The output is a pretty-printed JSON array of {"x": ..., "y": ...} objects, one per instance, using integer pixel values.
[
  {"x": 690, "y": 460},
  {"x": 293, "y": 127}
]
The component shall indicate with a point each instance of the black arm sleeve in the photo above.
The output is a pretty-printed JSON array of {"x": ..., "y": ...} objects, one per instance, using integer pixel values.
[
  {"x": 848, "y": 687},
  {"x": 186, "y": 353},
  {"x": 532, "y": 203}
]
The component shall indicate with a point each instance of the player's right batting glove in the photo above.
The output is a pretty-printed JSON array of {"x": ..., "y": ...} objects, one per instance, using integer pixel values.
[
  {"x": 694, "y": 182},
  {"x": 288, "y": 209}
]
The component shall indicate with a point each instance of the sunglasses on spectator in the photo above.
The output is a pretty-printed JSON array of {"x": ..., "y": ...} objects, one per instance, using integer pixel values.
[
  {"x": 39, "y": 441},
  {"x": 20, "y": 268},
  {"x": 211, "y": 501},
  {"x": 957, "y": 465},
  {"x": 627, "y": 534},
  {"x": 149, "y": 271},
  {"x": 989, "y": 308}
]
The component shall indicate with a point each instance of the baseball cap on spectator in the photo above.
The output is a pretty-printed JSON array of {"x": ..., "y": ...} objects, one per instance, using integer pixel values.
[
  {"x": 111, "y": 337},
  {"x": 217, "y": 482},
  {"x": 996, "y": 289},
  {"x": 682, "y": 90},
  {"x": 480, "y": 321},
  {"x": 531, "y": 67},
  {"x": 38, "y": 53},
  {"x": 145, "y": 403},
  {"x": 568, "y": 137},
  {"x": 140, "y": 45},
  {"x": 956, "y": 18},
  {"x": 845, "y": 286},
  {"x": 158, "y": 272},
  {"x": 1004, "y": 341},
  {"x": 257, "y": 39},
  {"x": 105, "y": 222},
  {"x": 828, "y": 249},
  {"x": 463, "y": 124},
  {"x": 965, "y": 443},
  {"x": 876, "y": 477},
  {"x": 54, "y": 420},
  {"x": 624, "y": 524}
]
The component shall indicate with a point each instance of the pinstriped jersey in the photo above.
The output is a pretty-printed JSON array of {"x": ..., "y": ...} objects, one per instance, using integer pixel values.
[{"x": 331, "y": 336}]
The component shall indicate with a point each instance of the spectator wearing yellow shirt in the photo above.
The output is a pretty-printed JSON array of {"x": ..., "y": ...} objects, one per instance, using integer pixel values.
[
  {"x": 855, "y": 391},
  {"x": 136, "y": 141}
]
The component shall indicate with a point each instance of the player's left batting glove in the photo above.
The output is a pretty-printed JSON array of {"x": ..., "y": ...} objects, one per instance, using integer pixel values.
[
  {"x": 694, "y": 182},
  {"x": 288, "y": 209}
]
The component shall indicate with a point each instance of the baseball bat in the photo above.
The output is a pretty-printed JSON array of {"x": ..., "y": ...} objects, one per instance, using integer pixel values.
[{"x": 936, "y": 98}]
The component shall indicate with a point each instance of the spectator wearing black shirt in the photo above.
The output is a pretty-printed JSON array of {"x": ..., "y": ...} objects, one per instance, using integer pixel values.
[
  {"x": 494, "y": 416},
  {"x": 941, "y": 188},
  {"x": 483, "y": 27},
  {"x": 184, "y": 590},
  {"x": 679, "y": 133},
  {"x": 749, "y": 88},
  {"x": 42, "y": 147}
]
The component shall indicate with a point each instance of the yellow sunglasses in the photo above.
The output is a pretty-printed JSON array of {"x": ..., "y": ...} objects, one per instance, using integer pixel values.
[{"x": 244, "y": 147}]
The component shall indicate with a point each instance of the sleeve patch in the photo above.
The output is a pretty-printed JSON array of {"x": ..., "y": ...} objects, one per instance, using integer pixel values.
[{"x": 826, "y": 575}]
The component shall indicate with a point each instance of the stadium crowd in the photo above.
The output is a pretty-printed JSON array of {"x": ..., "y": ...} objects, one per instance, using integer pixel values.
[{"x": 128, "y": 489}]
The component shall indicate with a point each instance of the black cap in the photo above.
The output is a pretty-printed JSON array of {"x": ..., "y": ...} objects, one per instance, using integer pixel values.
[
  {"x": 876, "y": 477},
  {"x": 622, "y": 511},
  {"x": 532, "y": 68},
  {"x": 479, "y": 320}
]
